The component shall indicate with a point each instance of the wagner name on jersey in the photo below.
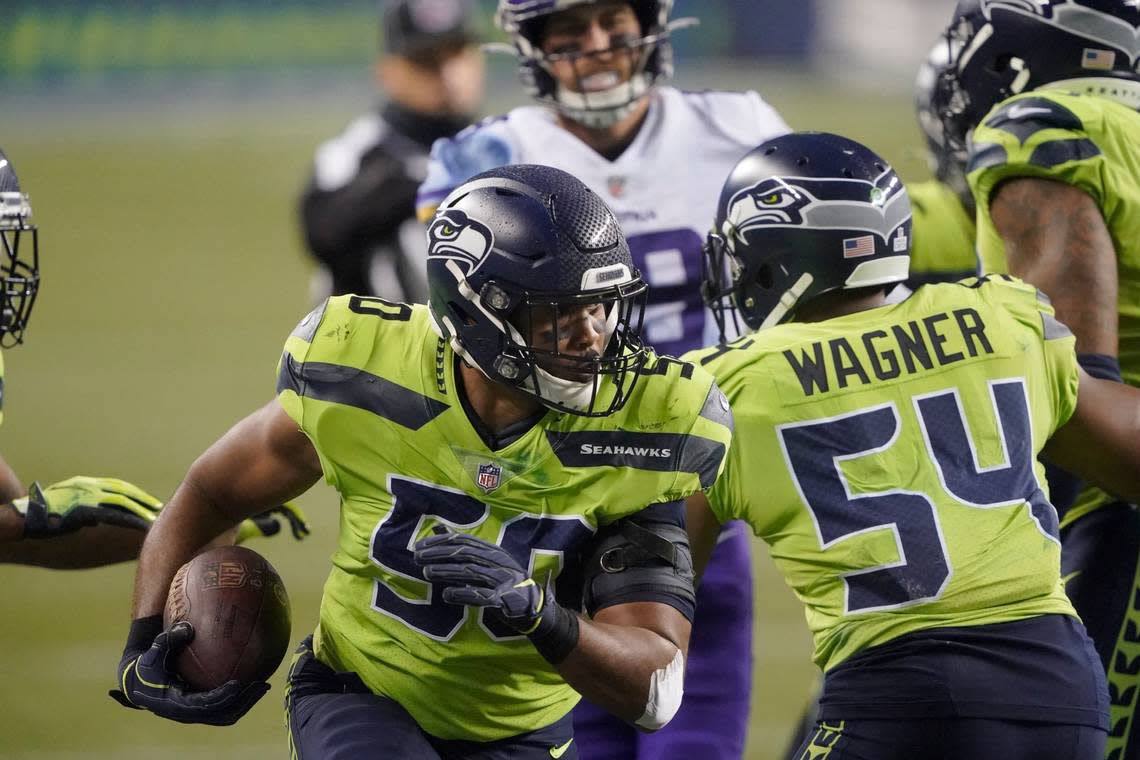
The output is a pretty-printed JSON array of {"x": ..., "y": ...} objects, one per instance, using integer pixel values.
[
  {"x": 373, "y": 387},
  {"x": 1082, "y": 140},
  {"x": 663, "y": 202},
  {"x": 896, "y": 453}
]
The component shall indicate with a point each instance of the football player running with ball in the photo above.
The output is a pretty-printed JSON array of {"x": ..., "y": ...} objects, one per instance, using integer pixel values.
[
  {"x": 657, "y": 155},
  {"x": 899, "y": 485},
  {"x": 82, "y": 521},
  {"x": 505, "y": 455},
  {"x": 1050, "y": 95}
]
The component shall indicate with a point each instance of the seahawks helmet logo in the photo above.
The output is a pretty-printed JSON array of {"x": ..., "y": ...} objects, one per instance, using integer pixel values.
[
  {"x": 772, "y": 201},
  {"x": 454, "y": 235},
  {"x": 818, "y": 203}
]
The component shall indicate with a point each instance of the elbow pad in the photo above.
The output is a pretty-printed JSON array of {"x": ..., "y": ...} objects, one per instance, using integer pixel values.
[{"x": 666, "y": 688}]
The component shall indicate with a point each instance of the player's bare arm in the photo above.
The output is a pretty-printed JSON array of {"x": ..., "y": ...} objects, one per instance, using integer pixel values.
[
  {"x": 1101, "y": 441},
  {"x": 626, "y": 656},
  {"x": 631, "y": 651},
  {"x": 1056, "y": 238},
  {"x": 629, "y": 655},
  {"x": 76, "y": 523},
  {"x": 91, "y": 547},
  {"x": 262, "y": 461},
  {"x": 703, "y": 528},
  {"x": 10, "y": 485}
]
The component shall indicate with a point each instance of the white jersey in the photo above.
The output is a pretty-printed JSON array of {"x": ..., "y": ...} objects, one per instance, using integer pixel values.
[{"x": 663, "y": 188}]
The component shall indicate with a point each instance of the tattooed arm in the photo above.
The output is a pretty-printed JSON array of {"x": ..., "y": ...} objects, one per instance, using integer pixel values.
[{"x": 1056, "y": 238}]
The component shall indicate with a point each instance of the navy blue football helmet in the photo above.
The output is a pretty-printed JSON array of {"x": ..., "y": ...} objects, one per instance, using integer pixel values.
[
  {"x": 799, "y": 216},
  {"x": 999, "y": 48},
  {"x": 947, "y": 164},
  {"x": 525, "y": 245},
  {"x": 524, "y": 22},
  {"x": 20, "y": 264}
]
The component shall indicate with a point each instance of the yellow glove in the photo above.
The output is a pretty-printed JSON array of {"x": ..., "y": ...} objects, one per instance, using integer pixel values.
[{"x": 82, "y": 501}]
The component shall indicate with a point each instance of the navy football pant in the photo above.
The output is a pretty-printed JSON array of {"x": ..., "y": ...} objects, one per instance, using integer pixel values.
[
  {"x": 334, "y": 716},
  {"x": 1099, "y": 560},
  {"x": 951, "y": 739},
  {"x": 713, "y": 720}
]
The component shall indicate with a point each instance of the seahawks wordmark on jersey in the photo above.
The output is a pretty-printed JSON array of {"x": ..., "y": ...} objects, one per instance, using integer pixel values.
[
  {"x": 663, "y": 188},
  {"x": 374, "y": 388}
]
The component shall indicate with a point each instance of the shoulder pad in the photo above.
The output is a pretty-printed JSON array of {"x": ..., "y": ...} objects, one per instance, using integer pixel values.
[{"x": 743, "y": 116}]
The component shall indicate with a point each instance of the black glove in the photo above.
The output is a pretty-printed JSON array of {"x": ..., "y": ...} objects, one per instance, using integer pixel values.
[
  {"x": 147, "y": 680},
  {"x": 268, "y": 523},
  {"x": 478, "y": 573}
]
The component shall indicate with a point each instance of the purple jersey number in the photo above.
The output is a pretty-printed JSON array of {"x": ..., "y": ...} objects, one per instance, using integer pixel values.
[{"x": 670, "y": 261}]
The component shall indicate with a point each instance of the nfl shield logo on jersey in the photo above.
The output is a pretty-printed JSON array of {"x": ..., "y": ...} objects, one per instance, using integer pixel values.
[{"x": 488, "y": 477}]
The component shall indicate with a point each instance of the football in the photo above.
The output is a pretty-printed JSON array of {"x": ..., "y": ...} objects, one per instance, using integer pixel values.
[{"x": 240, "y": 612}]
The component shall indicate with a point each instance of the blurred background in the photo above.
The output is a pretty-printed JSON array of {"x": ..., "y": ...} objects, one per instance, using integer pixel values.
[{"x": 164, "y": 144}]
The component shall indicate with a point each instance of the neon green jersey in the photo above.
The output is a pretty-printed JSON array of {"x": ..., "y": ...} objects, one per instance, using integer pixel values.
[
  {"x": 373, "y": 387},
  {"x": 889, "y": 460},
  {"x": 942, "y": 235},
  {"x": 1085, "y": 141}
]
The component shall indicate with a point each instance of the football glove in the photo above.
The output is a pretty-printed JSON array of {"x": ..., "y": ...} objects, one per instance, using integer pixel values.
[
  {"x": 147, "y": 680},
  {"x": 80, "y": 502},
  {"x": 480, "y": 574},
  {"x": 268, "y": 523}
]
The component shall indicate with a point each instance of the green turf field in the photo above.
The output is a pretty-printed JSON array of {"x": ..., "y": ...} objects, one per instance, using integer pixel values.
[{"x": 172, "y": 272}]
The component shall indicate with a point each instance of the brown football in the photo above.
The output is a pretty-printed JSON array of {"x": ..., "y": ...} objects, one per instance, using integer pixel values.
[{"x": 240, "y": 612}]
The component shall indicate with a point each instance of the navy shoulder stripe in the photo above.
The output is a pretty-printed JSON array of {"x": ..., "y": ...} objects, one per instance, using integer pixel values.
[
  {"x": 355, "y": 387},
  {"x": 985, "y": 155},
  {"x": 1026, "y": 117},
  {"x": 1057, "y": 152}
]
